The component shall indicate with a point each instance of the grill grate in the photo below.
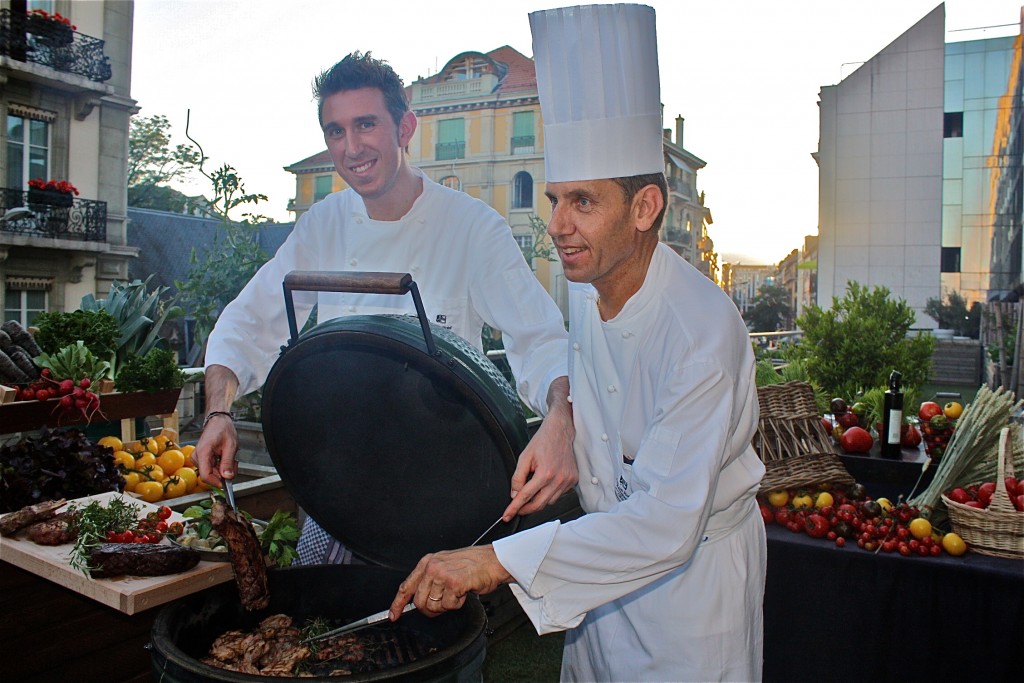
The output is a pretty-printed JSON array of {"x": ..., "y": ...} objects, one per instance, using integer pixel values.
[{"x": 380, "y": 648}]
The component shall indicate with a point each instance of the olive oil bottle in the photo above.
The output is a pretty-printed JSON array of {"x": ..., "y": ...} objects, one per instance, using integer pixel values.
[{"x": 892, "y": 418}]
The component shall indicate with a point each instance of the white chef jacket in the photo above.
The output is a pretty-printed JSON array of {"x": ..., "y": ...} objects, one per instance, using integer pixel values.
[
  {"x": 462, "y": 256},
  {"x": 663, "y": 578}
]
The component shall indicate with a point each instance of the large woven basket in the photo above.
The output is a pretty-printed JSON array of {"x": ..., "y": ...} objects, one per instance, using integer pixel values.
[
  {"x": 998, "y": 529},
  {"x": 791, "y": 441}
]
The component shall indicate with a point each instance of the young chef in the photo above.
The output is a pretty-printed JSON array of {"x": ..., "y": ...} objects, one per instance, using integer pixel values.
[
  {"x": 459, "y": 251},
  {"x": 663, "y": 578}
]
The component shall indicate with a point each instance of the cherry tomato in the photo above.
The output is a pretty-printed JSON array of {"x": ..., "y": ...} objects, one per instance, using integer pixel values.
[
  {"x": 176, "y": 528},
  {"x": 803, "y": 500},
  {"x": 164, "y": 512},
  {"x": 161, "y": 527}
]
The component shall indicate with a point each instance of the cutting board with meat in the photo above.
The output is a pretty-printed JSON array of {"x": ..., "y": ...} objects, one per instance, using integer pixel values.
[{"x": 127, "y": 594}]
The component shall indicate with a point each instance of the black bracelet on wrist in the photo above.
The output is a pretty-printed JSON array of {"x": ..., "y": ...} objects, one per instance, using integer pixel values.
[{"x": 215, "y": 413}]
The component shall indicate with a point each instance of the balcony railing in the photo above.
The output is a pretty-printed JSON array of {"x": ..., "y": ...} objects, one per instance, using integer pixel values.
[
  {"x": 84, "y": 220},
  {"x": 523, "y": 144},
  {"x": 678, "y": 236},
  {"x": 449, "y": 150},
  {"x": 58, "y": 47}
]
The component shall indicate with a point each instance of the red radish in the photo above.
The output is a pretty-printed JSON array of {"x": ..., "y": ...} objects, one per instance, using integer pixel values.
[
  {"x": 85, "y": 383},
  {"x": 67, "y": 386}
]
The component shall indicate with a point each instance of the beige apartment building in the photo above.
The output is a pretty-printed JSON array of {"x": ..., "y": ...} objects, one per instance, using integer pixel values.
[{"x": 65, "y": 102}]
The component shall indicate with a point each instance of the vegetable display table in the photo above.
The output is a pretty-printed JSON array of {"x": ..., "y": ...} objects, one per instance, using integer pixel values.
[{"x": 844, "y": 614}]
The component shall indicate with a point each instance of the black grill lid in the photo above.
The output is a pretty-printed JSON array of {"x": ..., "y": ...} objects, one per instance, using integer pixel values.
[{"x": 394, "y": 446}]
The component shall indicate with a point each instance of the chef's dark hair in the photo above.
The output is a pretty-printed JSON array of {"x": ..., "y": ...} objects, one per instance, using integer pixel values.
[
  {"x": 357, "y": 71},
  {"x": 632, "y": 184}
]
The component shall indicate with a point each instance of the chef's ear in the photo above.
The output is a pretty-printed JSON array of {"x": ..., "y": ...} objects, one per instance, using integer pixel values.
[
  {"x": 647, "y": 205},
  {"x": 406, "y": 127}
]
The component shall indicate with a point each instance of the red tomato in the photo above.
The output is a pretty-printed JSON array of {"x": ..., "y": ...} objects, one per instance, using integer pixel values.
[
  {"x": 783, "y": 516},
  {"x": 958, "y": 495},
  {"x": 164, "y": 512},
  {"x": 856, "y": 440},
  {"x": 1018, "y": 502},
  {"x": 985, "y": 492},
  {"x": 928, "y": 410},
  {"x": 816, "y": 525},
  {"x": 911, "y": 438},
  {"x": 766, "y": 513}
]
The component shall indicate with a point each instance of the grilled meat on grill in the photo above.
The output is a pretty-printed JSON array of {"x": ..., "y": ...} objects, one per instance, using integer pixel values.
[
  {"x": 30, "y": 514},
  {"x": 140, "y": 559},
  {"x": 246, "y": 555},
  {"x": 54, "y": 531},
  {"x": 273, "y": 649}
]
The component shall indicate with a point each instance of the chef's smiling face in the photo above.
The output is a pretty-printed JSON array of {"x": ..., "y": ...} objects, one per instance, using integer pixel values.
[
  {"x": 594, "y": 230},
  {"x": 364, "y": 143}
]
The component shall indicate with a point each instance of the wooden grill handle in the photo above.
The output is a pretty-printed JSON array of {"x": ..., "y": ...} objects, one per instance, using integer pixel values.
[{"x": 347, "y": 281}]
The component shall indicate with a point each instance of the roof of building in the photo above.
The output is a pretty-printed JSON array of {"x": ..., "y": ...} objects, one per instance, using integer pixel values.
[
  {"x": 165, "y": 241},
  {"x": 318, "y": 162}
]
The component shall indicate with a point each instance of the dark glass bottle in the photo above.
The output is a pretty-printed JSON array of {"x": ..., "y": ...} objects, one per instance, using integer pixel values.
[{"x": 892, "y": 418}]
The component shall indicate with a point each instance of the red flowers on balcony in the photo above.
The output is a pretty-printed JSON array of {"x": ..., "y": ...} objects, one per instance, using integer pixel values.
[
  {"x": 57, "y": 17},
  {"x": 62, "y": 186}
]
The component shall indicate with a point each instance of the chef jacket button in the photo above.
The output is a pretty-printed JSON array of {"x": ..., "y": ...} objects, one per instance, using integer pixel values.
[
  {"x": 352, "y": 309},
  {"x": 569, "y": 399},
  {"x": 611, "y": 389},
  {"x": 595, "y": 481},
  {"x": 626, "y": 334},
  {"x": 604, "y": 437},
  {"x": 359, "y": 219},
  {"x": 353, "y": 262},
  {"x": 575, "y": 346}
]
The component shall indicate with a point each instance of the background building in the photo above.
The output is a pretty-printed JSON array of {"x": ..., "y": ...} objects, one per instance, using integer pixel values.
[
  {"x": 65, "y": 105},
  {"x": 742, "y": 282},
  {"x": 920, "y": 170}
]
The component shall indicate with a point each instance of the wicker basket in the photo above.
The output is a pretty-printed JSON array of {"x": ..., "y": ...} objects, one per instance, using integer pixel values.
[
  {"x": 791, "y": 441},
  {"x": 998, "y": 529}
]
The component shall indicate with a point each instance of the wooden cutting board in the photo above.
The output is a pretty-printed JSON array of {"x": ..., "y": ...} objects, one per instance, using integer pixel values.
[{"x": 129, "y": 594}]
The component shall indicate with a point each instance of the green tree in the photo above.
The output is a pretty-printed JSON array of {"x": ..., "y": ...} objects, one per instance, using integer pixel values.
[
  {"x": 772, "y": 309},
  {"x": 954, "y": 314},
  {"x": 153, "y": 163},
  {"x": 540, "y": 246},
  {"x": 856, "y": 344}
]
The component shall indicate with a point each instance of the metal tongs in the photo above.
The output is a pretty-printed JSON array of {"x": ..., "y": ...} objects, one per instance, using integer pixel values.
[
  {"x": 379, "y": 616},
  {"x": 229, "y": 493}
]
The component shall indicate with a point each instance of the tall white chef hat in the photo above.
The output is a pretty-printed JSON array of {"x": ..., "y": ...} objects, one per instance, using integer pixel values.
[{"x": 597, "y": 75}]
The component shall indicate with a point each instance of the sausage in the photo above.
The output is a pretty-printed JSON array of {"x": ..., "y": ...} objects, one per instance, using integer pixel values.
[{"x": 140, "y": 559}]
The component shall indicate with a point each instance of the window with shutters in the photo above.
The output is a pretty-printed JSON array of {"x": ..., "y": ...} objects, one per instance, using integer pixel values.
[
  {"x": 522, "y": 132},
  {"x": 451, "y": 139},
  {"x": 28, "y": 150},
  {"x": 322, "y": 187}
]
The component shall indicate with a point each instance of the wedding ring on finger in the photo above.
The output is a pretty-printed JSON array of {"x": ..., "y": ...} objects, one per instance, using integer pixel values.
[{"x": 433, "y": 599}]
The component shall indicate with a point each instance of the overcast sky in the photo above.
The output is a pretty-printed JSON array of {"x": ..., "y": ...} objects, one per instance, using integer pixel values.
[{"x": 745, "y": 74}]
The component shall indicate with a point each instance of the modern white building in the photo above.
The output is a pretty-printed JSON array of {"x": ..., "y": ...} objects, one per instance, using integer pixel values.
[{"x": 919, "y": 162}]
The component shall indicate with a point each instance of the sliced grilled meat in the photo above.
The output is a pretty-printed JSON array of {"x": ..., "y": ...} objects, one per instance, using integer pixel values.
[
  {"x": 245, "y": 553},
  {"x": 140, "y": 559},
  {"x": 30, "y": 514},
  {"x": 55, "y": 531}
]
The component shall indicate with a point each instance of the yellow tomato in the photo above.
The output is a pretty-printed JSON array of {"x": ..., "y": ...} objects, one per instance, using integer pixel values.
[
  {"x": 778, "y": 498},
  {"x": 131, "y": 480},
  {"x": 150, "y": 491},
  {"x": 920, "y": 528},
  {"x": 175, "y": 487},
  {"x": 162, "y": 441},
  {"x": 124, "y": 459},
  {"x": 953, "y": 544},
  {"x": 171, "y": 461},
  {"x": 145, "y": 460},
  {"x": 824, "y": 498},
  {"x": 187, "y": 450},
  {"x": 190, "y": 477},
  {"x": 154, "y": 472},
  {"x": 803, "y": 500},
  {"x": 952, "y": 410},
  {"x": 135, "y": 447},
  {"x": 152, "y": 445},
  {"x": 885, "y": 503},
  {"x": 111, "y": 442}
]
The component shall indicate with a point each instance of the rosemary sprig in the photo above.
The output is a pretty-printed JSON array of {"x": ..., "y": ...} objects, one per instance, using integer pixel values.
[{"x": 94, "y": 521}]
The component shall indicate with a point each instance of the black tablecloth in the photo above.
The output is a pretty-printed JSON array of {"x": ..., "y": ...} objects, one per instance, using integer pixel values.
[{"x": 844, "y": 614}]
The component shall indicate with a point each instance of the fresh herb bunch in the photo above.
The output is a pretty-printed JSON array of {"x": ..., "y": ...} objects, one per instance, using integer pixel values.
[
  {"x": 74, "y": 362},
  {"x": 156, "y": 371},
  {"x": 97, "y": 330},
  {"x": 94, "y": 521},
  {"x": 55, "y": 465}
]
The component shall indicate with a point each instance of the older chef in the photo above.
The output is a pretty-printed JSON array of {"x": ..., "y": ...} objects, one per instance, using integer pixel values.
[{"x": 663, "y": 578}]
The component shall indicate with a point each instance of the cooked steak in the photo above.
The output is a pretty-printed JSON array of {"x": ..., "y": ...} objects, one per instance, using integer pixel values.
[
  {"x": 30, "y": 514},
  {"x": 245, "y": 553},
  {"x": 140, "y": 559},
  {"x": 54, "y": 531}
]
